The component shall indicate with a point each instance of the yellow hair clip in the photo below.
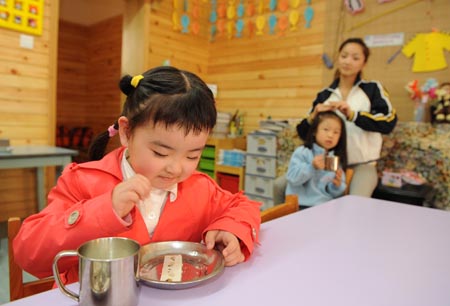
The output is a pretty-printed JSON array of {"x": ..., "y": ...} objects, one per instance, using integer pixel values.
[{"x": 135, "y": 80}]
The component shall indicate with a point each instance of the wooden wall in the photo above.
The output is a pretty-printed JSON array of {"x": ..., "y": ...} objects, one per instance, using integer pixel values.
[
  {"x": 184, "y": 51},
  {"x": 27, "y": 106},
  {"x": 270, "y": 75},
  {"x": 267, "y": 75},
  {"x": 89, "y": 71},
  {"x": 407, "y": 16}
]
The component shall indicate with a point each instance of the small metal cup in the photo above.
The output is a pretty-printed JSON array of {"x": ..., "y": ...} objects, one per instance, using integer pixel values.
[
  {"x": 331, "y": 163},
  {"x": 108, "y": 272}
]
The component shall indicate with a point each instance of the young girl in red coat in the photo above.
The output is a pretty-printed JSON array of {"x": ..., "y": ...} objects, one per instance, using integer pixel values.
[{"x": 148, "y": 189}]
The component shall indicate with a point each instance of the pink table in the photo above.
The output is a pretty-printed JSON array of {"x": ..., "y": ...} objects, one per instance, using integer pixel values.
[{"x": 351, "y": 251}]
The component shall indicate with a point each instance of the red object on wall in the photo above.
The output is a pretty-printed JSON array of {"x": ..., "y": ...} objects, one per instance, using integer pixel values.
[{"x": 228, "y": 182}]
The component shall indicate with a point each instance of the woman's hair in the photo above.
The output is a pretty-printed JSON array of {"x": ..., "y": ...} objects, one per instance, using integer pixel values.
[
  {"x": 162, "y": 95},
  {"x": 341, "y": 148},
  {"x": 354, "y": 40}
]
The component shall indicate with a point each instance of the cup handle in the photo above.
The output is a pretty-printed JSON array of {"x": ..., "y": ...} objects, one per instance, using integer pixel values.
[{"x": 59, "y": 283}]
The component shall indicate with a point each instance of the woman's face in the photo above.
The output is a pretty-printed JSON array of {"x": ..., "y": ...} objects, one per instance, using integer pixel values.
[
  {"x": 328, "y": 133},
  {"x": 351, "y": 60},
  {"x": 165, "y": 156}
]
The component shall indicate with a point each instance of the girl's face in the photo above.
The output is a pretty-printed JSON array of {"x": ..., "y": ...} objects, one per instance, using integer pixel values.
[
  {"x": 165, "y": 156},
  {"x": 328, "y": 133},
  {"x": 351, "y": 60}
]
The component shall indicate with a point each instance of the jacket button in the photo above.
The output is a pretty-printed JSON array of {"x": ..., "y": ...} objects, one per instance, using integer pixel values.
[{"x": 73, "y": 217}]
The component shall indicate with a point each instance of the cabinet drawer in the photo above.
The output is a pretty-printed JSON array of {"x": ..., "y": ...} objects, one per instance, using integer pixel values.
[
  {"x": 258, "y": 185},
  {"x": 261, "y": 165},
  {"x": 266, "y": 202},
  {"x": 206, "y": 164},
  {"x": 262, "y": 144},
  {"x": 209, "y": 152}
]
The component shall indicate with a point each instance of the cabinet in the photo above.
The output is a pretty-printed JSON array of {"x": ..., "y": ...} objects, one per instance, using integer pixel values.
[
  {"x": 261, "y": 167},
  {"x": 208, "y": 161}
]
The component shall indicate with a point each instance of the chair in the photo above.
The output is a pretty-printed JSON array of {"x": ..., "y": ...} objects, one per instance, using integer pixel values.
[
  {"x": 17, "y": 288},
  {"x": 348, "y": 179},
  {"x": 289, "y": 206}
]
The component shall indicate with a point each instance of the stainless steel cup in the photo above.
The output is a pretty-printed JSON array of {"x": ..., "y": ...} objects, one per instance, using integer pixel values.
[
  {"x": 331, "y": 163},
  {"x": 108, "y": 272}
]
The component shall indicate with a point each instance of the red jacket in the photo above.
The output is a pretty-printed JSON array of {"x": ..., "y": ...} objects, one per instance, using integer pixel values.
[{"x": 201, "y": 205}]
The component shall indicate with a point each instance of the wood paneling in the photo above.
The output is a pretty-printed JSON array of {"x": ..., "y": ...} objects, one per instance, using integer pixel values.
[{"x": 27, "y": 106}]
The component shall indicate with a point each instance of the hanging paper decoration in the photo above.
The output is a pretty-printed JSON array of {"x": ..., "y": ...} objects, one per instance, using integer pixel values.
[
  {"x": 213, "y": 14},
  {"x": 272, "y": 24},
  {"x": 212, "y": 32},
  {"x": 296, "y": 3},
  {"x": 354, "y": 6},
  {"x": 222, "y": 10},
  {"x": 213, "y": 20},
  {"x": 176, "y": 17},
  {"x": 221, "y": 27},
  {"x": 283, "y": 5},
  {"x": 195, "y": 16},
  {"x": 250, "y": 9},
  {"x": 273, "y": 5},
  {"x": 283, "y": 24},
  {"x": 231, "y": 10},
  {"x": 241, "y": 9},
  {"x": 308, "y": 14},
  {"x": 230, "y": 27},
  {"x": 239, "y": 27},
  {"x": 185, "y": 21},
  {"x": 294, "y": 17},
  {"x": 260, "y": 23},
  {"x": 260, "y": 7},
  {"x": 251, "y": 28}
]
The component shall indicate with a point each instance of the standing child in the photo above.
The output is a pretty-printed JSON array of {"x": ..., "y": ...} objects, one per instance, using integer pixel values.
[
  {"x": 306, "y": 175},
  {"x": 148, "y": 189}
]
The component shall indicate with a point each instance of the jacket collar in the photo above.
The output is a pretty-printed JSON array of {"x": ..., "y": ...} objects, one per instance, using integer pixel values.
[
  {"x": 110, "y": 163},
  {"x": 335, "y": 83}
]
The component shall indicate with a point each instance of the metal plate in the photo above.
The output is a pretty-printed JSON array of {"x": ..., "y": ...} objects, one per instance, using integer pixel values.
[{"x": 199, "y": 263}]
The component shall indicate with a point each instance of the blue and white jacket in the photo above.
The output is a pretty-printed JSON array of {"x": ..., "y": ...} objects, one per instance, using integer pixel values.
[{"x": 373, "y": 116}]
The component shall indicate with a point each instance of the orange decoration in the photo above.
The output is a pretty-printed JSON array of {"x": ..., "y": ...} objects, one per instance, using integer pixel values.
[
  {"x": 283, "y": 24},
  {"x": 283, "y": 5},
  {"x": 222, "y": 10},
  {"x": 195, "y": 28}
]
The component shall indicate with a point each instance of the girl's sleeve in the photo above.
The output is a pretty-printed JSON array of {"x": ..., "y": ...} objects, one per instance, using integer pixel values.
[
  {"x": 69, "y": 220},
  {"x": 300, "y": 169},
  {"x": 236, "y": 214}
]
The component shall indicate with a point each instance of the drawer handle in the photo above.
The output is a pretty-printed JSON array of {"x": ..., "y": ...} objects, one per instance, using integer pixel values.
[
  {"x": 259, "y": 189},
  {"x": 261, "y": 170},
  {"x": 262, "y": 149}
]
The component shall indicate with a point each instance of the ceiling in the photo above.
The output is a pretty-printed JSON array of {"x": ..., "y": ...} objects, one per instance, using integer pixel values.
[{"x": 88, "y": 12}]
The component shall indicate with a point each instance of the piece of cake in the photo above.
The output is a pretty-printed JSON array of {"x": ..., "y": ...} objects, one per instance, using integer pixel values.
[{"x": 172, "y": 268}]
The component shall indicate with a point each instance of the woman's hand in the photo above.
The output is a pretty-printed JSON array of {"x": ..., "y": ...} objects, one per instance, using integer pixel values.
[
  {"x": 321, "y": 107},
  {"x": 227, "y": 243},
  {"x": 344, "y": 108},
  {"x": 319, "y": 162},
  {"x": 128, "y": 193},
  {"x": 337, "y": 178}
]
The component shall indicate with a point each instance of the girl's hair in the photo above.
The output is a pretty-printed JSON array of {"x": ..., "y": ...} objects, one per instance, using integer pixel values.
[
  {"x": 162, "y": 95},
  {"x": 354, "y": 40},
  {"x": 341, "y": 148}
]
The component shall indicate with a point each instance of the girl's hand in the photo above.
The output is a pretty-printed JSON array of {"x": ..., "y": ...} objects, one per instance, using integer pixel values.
[
  {"x": 128, "y": 193},
  {"x": 319, "y": 162},
  {"x": 227, "y": 243},
  {"x": 337, "y": 178}
]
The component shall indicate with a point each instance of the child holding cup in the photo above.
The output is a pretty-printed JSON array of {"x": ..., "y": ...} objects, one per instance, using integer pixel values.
[{"x": 313, "y": 172}]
